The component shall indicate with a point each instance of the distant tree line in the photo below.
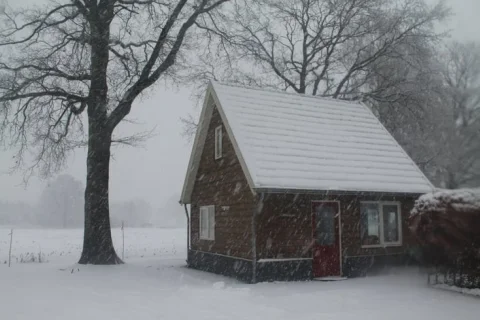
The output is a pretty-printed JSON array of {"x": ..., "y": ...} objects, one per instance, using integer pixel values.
[{"x": 61, "y": 205}]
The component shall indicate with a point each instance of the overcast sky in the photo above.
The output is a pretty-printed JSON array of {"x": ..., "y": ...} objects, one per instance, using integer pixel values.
[{"x": 156, "y": 171}]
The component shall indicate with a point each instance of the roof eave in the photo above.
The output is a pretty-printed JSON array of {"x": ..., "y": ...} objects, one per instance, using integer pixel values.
[
  {"x": 187, "y": 188},
  {"x": 340, "y": 192}
]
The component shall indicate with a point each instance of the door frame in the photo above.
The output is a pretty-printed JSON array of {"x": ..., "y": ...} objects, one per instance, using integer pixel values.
[{"x": 339, "y": 229}]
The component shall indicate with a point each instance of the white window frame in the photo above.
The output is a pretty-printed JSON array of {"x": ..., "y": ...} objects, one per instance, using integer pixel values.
[
  {"x": 382, "y": 243},
  {"x": 218, "y": 142},
  {"x": 207, "y": 212}
]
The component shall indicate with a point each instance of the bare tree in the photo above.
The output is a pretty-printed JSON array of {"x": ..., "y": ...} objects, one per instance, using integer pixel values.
[
  {"x": 461, "y": 75},
  {"x": 322, "y": 47},
  {"x": 90, "y": 60},
  {"x": 407, "y": 97}
]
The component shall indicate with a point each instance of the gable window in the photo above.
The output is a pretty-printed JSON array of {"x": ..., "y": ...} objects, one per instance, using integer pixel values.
[
  {"x": 207, "y": 223},
  {"x": 218, "y": 142},
  {"x": 380, "y": 224}
]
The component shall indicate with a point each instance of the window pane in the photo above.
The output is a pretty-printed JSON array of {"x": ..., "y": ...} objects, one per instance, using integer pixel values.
[
  {"x": 203, "y": 222},
  {"x": 369, "y": 224},
  {"x": 211, "y": 223},
  {"x": 390, "y": 223},
  {"x": 218, "y": 142},
  {"x": 325, "y": 225}
]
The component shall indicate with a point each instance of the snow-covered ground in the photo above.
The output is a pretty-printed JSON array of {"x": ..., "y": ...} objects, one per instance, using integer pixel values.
[{"x": 154, "y": 284}]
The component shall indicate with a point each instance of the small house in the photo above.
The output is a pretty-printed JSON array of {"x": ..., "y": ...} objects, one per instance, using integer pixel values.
[{"x": 284, "y": 186}]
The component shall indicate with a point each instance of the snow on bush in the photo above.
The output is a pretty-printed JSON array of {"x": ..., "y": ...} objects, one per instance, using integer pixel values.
[
  {"x": 442, "y": 200},
  {"x": 473, "y": 292}
]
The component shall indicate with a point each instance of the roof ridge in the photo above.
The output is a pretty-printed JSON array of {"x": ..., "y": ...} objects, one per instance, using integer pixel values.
[{"x": 303, "y": 95}]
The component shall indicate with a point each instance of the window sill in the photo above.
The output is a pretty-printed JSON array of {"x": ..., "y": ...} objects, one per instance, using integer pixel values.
[
  {"x": 205, "y": 239},
  {"x": 385, "y": 245}
]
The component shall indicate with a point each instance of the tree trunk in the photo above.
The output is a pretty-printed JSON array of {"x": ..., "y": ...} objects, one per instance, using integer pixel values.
[
  {"x": 97, "y": 242},
  {"x": 451, "y": 181}
]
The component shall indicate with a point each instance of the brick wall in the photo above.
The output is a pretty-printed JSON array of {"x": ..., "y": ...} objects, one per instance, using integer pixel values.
[
  {"x": 222, "y": 183},
  {"x": 285, "y": 226}
]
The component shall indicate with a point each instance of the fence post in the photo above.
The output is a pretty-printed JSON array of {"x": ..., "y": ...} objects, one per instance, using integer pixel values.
[
  {"x": 10, "y": 250},
  {"x": 123, "y": 241}
]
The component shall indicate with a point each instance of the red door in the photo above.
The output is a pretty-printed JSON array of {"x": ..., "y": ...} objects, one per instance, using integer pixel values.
[{"x": 326, "y": 235}]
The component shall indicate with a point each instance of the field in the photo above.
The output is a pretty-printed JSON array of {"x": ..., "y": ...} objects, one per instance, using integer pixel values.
[{"x": 154, "y": 284}]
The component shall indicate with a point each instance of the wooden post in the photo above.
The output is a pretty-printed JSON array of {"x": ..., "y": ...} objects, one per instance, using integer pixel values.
[
  {"x": 10, "y": 250},
  {"x": 123, "y": 241}
]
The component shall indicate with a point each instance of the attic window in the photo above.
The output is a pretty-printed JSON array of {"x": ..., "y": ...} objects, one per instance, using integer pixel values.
[{"x": 218, "y": 142}]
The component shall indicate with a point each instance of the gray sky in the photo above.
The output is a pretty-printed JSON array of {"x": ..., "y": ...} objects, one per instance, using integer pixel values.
[{"x": 156, "y": 172}]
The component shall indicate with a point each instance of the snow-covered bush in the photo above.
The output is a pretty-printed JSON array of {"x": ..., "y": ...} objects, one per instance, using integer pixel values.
[
  {"x": 444, "y": 200},
  {"x": 447, "y": 225}
]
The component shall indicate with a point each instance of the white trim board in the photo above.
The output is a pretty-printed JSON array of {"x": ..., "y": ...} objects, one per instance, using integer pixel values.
[
  {"x": 330, "y": 279},
  {"x": 282, "y": 260},
  {"x": 222, "y": 255}
]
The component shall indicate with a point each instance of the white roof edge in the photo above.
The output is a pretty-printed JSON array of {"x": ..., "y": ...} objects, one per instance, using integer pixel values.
[
  {"x": 432, "y": 187},
  {"x": 184, "y": 198},
  {"x": 199, "y": 143},
  {"x": 233, "y": 140},
  {"x": 268, "y": 189}
]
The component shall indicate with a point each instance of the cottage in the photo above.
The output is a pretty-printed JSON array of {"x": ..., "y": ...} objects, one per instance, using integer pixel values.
[{"x": 284, "y": 186}]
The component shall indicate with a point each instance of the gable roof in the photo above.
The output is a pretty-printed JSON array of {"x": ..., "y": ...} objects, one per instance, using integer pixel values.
[{"x": 298, "y": 142}]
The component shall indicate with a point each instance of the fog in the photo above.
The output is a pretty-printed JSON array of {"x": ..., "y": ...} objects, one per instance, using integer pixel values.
[{"x": 145, "y": 182}]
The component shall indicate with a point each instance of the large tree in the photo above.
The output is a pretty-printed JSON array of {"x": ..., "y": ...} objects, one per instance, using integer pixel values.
[
  {"x": 323, "y": 48},
  {"x": 86, "y": 60},
  {"x": 460, "y": 164}
]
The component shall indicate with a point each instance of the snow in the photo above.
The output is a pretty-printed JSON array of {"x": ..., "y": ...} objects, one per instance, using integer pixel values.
[
  {"x": 292, "y": 141},
  {"x": 473, "y": 292},
  {"x": 154, "y": 284},
  {"x": 439, "y": 201}
]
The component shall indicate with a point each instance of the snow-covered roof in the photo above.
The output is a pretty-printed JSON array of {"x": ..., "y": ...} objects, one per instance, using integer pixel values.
[{"x": 300, "y": 142}]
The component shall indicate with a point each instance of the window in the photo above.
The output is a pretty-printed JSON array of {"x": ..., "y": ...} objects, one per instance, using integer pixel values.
[
  {"x": 325, "y": 225},
  {"x": 218, "y": 142},
  {"x": 380, "y": 224},
  {"x": 207, "y": 223}
]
